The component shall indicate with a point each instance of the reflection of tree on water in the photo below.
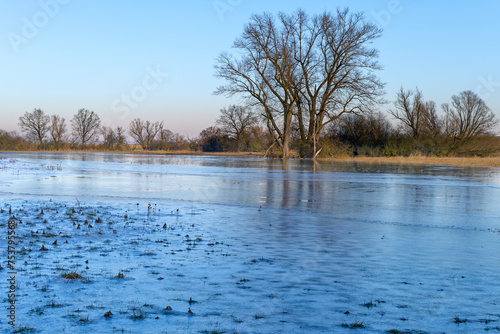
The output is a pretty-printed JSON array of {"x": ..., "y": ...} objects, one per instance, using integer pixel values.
[
  {"x": 295, "y": 188},
  {"x": 286, "y": 164},
  {"x": 285, "y": 201}
]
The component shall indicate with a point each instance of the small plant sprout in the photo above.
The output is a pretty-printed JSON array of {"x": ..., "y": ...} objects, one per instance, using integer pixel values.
[
  {"x": 137, "y": 313},
  {"x": 370, "y": 304},
  {"x": 85, "y": 320}
]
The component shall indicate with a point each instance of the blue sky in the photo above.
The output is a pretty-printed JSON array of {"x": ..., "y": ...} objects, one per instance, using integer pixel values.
[{"x": 154, "y": 59}]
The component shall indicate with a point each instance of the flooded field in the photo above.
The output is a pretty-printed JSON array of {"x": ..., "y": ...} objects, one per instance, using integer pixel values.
[{"x": 191, "y": 244}]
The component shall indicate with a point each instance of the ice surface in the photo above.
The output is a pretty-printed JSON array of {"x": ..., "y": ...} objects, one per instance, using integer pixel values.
[{"x": 261, "y": 247}]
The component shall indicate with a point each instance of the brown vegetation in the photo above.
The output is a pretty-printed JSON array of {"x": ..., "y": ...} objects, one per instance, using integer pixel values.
[{"x": 428, "y": 160}]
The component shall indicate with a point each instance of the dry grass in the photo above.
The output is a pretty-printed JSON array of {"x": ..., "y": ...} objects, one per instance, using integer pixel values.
[
  {"x": 158, "y": 152},
  {"x": 232, "y": 154},
  {"x": 425, "y": 160},
  {"x": 492, "y": 161}
]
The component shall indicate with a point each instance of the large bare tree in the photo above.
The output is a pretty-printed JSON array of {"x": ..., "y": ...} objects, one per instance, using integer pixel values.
[
  {"x": 312, "y": 68},
  {"x": 57, "y": 130},
  {"x": 144, "y": 132},
  {"x": 35, "y": 125},
  {"x": 235, "y": 120},
  {"x": 86, "y": 126},
  {"x": 467, "y": 118}
]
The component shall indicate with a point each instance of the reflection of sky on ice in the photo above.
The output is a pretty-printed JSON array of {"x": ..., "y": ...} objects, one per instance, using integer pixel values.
[
  {"x": 420, "y": 242},
  {"x": 441, "y": 196}
]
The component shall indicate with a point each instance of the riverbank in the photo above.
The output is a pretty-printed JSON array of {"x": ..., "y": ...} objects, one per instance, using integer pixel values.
[
  {"x": 493, "y": 161},
  {"x": 425, "y": 160}
]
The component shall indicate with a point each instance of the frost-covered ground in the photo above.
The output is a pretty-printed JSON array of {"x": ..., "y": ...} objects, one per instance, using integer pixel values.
[{"x": 248, "y": 245}]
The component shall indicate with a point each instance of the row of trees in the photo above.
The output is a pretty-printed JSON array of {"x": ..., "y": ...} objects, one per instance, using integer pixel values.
[
  {"x": 51, "y": 130},
  {"x": 308, "y": 73},
  {"x": 154, "y": 136},
  {"x": 420, "y": 128},
  {"x": 239, "y": 128},
  {"x": 466, "y": 118},
  {"x": 37, "y": 126}
]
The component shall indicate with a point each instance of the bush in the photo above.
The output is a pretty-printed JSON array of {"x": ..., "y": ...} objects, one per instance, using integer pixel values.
[
  {"x": 219, "y": 144},
  {"x": 335, "y": 148},
  {"x": 11, "y": 141}
]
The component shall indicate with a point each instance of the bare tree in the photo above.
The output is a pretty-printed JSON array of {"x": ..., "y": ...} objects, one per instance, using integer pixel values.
[
  {"x": 165, "y": 138},
  {"x": 136, "y": 130},
  {"x": 409, "y": 111},
  {"x": 180, "y": 141},
  {"x": 259, "y": 75},
  {"x": 312, "y": 68},
  {"x": 433, "y": 124},
  {"x": 419, "y": 117},
  {"x": 120, "y": 136},
  {"x": 57, "y": 130},
  {"x": 144, "y": 132},
  {"x": 35, "y": 124},
  {"x": 468, "y": 117},
  {"x": 86, "y": 126},
  {"x": 109, "y": 137},
  {"x": 234, "y": 120}
]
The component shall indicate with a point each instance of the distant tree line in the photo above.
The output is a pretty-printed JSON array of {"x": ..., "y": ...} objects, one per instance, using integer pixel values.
[
  {"x": 50, "y": 132},
  {"x": 309, "y": 88},
  {"x": 465, "y": 126}
]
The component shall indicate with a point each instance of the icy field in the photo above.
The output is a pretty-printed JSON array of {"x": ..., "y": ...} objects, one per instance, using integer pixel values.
[{"x": 156, "y": 244}]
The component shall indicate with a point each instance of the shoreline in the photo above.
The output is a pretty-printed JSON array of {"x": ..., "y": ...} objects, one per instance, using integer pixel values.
[
  {"x": 412, "y": 159},
  {"x": 425, "y": 160}
]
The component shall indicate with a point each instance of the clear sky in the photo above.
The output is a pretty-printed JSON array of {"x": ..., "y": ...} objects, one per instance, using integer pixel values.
[{"x": 154, "y": 60}]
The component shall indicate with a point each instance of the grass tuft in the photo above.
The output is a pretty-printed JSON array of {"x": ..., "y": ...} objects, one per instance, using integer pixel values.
[
  {"x": 71, "y": 275},
  {"x": 85, "y": 320},
  {"x": 353, "y": 325},
  {"x": 24, "y": 329},
  {"x": 370, "y": 304}
]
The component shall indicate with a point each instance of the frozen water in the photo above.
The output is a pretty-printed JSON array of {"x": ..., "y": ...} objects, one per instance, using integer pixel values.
[{"x": 261, "y": 246}]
